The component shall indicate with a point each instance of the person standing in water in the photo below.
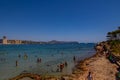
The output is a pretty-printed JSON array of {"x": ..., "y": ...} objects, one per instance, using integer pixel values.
[
  {"x": 19, "y": 56},
  {"x": 61, "y": 67},
  {"x": 16, "y": 63},
  {"x": 74, "y": 59},
  {"x": 38, "y": 60},
  {"x": 66, "y": 64}
]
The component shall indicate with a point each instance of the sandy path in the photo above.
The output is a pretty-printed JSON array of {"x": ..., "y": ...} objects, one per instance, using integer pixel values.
[{"x": 101, "y": 68}]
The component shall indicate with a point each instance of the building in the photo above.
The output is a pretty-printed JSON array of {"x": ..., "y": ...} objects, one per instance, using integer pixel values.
[
  {"x": 14, "y": 42},
  {"x": 4, "y": 40}
]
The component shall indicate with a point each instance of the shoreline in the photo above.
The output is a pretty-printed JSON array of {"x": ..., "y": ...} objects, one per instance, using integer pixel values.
[
  {"x": 50, "y": 76},
  {"x": 100, "y": 67},
  {"x": 78, "y": 71}
]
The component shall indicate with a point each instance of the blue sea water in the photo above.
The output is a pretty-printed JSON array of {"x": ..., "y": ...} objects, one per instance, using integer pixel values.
[{"x": 51, "y": 56}]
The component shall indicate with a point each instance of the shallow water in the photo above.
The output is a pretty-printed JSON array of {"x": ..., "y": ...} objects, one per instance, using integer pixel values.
[{"x": 51, "y": 56}]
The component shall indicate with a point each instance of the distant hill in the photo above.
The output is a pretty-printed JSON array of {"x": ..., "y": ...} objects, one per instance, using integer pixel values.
[{"x": 61, "y": 42}]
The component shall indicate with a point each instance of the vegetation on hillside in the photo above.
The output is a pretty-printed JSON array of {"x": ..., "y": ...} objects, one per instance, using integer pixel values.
[{"x": 115, "y": 47}]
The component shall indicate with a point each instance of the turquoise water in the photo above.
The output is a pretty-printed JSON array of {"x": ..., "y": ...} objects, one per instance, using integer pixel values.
[{"x": 51, "y": 56}]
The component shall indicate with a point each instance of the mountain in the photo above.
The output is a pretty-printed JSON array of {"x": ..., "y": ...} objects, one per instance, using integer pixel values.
[{"x": 61, "y": 42}]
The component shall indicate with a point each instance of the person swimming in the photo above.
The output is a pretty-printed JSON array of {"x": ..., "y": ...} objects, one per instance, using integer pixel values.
[{"x": 25, "y": 56}]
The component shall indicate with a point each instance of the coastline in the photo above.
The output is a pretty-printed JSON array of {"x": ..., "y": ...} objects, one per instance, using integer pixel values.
[{"x": 100, "y": 67}]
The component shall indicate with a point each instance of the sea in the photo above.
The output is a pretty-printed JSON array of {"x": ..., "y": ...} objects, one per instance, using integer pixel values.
[{"x": 43, "y": 59}]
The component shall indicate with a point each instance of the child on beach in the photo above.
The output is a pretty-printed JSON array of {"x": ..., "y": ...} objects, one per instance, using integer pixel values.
[{"x": 89, "y": 77}]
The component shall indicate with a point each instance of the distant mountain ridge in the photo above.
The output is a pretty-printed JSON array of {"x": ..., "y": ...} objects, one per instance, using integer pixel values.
[{"x": 61, "y": 42}]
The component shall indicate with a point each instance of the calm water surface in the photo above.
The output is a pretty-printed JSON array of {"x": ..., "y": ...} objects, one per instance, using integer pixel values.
[{"x": 51, "y": 55}]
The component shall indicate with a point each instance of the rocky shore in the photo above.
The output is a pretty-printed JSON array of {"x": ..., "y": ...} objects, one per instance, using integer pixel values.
[{"x": 100, "y": 68}]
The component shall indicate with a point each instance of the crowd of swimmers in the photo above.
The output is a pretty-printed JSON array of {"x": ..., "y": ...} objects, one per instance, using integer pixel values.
[
  {"x": 59, "y": 67},
  {"x": 25, "y": 57},
  {"x": 19, "y": 56}
]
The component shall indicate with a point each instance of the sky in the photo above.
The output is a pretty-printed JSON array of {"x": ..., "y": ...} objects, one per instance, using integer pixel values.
[{"x": 63, "y": 20}]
